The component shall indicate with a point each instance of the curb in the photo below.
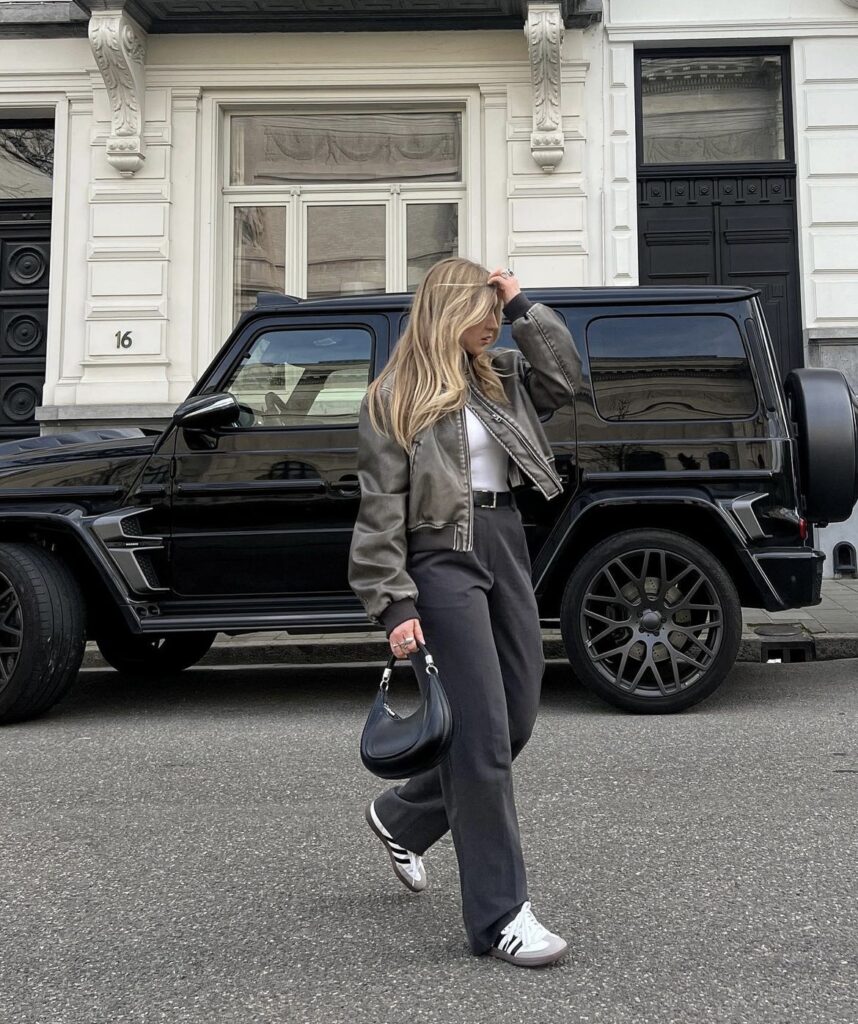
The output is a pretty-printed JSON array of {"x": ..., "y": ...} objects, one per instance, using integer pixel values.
[{"x": 349, "y": 650}]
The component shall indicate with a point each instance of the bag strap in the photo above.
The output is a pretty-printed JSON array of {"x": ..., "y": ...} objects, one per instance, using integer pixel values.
[{"x": 391, "y": 662}]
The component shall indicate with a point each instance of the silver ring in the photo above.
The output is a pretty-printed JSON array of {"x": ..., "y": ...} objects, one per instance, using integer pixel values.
[{"x": 510, "y": 271}]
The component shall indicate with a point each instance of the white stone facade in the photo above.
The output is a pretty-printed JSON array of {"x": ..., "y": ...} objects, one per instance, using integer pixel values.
[{"x": 140, "y": 234}]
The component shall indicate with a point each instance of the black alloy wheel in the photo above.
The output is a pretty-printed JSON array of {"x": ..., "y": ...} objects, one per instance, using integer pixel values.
[
  {"x": 11, "y": 630},
  {"x": 651, "y": 621},
  {"x": 42, "y": 630}
]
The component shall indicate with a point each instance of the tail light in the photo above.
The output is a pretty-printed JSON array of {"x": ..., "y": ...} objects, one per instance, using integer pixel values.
[{"x": 802, "y": 529}]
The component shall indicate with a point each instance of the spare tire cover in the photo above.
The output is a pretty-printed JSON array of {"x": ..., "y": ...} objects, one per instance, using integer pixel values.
[{"x": 827, "y": 443}]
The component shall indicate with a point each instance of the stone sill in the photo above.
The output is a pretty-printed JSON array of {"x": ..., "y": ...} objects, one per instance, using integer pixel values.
[
  {"x": 60, "y": 419},
  {"x": 832, "y": 335},
  {"x": 154, "y": 410}
]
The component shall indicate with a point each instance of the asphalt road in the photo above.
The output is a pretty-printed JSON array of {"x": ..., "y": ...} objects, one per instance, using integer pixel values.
[{"x": 194, "y": 850}]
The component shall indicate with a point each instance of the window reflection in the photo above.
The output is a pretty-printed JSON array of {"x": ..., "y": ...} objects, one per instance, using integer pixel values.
[
  {"x": 345, "y": 147},
  {"x": 26, "y": 163},
  {"x": 260, "y": 254},
  {"x": 669, "y": 368},
  {"x": 433, "y": 234},
  {"x": 346, "y": 249},
  {"x": 303, "y": 377},
  {"x": 712, "y": 109}
]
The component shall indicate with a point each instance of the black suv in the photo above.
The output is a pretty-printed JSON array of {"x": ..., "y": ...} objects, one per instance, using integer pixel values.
[{"x": 692, "y": 479}]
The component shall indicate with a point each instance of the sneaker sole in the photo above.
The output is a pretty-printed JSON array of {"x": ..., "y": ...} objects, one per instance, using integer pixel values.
[
  {"x": 408, "y": 885},
  {"x": 537, "y": 961}
]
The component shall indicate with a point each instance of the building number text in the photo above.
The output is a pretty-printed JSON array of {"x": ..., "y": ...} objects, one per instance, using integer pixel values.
[{"x": 123, "y": 339}]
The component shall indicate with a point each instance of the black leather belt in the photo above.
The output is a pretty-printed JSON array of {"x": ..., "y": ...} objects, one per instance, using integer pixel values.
[{"x": 492, "y": 499}]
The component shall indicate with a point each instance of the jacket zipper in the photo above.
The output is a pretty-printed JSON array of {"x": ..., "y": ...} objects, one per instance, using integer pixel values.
[
  {"x": 513, "y": 427},
  {"x": 469, "y": 540},
  {"x": 537, "y": 456}
]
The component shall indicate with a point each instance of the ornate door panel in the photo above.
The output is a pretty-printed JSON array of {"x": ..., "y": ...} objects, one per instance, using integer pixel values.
[
  {"x": 729, "y": 230},
  {"x": 677, "y": 246},
  {"x": 26, "y": 184},
  {"x": 759, "y": 250},
  {"x": 25, "y": 243}
]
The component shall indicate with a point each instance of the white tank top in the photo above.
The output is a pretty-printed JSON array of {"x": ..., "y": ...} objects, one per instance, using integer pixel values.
[{"x": 489, "y": 460}]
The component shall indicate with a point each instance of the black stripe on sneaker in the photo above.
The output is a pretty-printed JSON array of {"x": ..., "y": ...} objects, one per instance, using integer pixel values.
[
  {"x": 397, "y": 848},
  {"x": 401, "y": 860},
  {"x": 514, "y": 946}
]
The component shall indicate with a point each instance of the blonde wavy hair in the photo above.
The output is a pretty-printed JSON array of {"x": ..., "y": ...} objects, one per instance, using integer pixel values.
[{"x": 427, "y": 371}]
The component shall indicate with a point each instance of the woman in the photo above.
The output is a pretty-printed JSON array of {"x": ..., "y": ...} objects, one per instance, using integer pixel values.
[{"x": 439, "y": 556}]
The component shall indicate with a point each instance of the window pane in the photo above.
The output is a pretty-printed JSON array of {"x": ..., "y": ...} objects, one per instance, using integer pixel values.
[
  {"x": 433, "y": 234},
  {"x": 293, "y": 378},
  {"x": 26, "y": 163},
  {"x": 260, "y": 254},
  {"x": 712, "y": 109},
  {"x": 345, "y": 250},
  {"x": 669, "y": 368},
  {"x": 274, "y": 148}
]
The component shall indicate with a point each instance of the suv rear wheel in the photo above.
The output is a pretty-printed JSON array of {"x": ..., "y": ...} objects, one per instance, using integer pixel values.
[
  {"x": 42, "y": 631},
  {"x": 143, "y": 655},
  {"x": 651, "y": 621}
]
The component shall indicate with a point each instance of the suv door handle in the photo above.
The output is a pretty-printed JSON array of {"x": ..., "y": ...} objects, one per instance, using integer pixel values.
[{"x": 346, "y": 488}]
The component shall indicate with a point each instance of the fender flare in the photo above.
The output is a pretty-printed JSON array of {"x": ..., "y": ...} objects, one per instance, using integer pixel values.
[
  {"x": 583, "y": 506},
  {"x": 69, "y": 525}
]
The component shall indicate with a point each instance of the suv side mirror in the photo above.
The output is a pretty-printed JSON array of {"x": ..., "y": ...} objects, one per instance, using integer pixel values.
[{"x": 202, "y": 412}]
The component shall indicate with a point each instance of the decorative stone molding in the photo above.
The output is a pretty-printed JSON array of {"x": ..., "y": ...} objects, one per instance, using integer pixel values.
[
  {"x": 119, "y": 46},
  {"x": 544, "y": 31}
]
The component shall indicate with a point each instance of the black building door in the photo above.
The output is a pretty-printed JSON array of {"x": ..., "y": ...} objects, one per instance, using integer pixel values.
[
  {"x": 716, "y": 178},
  {"x": 26, "y": 158},
  {"x": 730, "y": 231}
]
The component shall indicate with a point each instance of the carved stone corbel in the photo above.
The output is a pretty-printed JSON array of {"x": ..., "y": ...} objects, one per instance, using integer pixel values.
[
  {"x": 544, "y": 31},
  {"x": 119, "y": 46}
]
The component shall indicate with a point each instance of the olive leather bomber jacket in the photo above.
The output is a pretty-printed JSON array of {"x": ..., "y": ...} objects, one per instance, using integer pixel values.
[{"x": 422, "y": 500}]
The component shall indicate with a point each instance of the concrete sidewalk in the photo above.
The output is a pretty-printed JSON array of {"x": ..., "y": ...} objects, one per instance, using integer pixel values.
[{"x": 825, "y": 632}]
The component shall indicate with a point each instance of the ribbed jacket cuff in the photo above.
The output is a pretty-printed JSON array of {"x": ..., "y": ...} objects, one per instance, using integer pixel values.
[
  {"x": 517, "y": 307},
  {"x": 396, "y": 612}
]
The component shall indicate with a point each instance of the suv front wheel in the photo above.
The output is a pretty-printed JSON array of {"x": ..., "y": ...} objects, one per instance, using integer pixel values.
[
  {"x": 145, "y": 655},
  {"x": 651, "y": 621},
  {"x": 42, "y": 630}
]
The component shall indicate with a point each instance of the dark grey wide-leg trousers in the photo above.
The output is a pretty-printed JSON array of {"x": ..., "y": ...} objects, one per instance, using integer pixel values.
[{"x": 481, "y": 625}]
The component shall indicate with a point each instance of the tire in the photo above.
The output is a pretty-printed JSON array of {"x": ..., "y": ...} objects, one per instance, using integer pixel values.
[
  {"x": 663, "y": 656},
  {"x": 822, "y": 409},
  {"x": 42, "y": 631},
  {"x": 143, "y": 655}
]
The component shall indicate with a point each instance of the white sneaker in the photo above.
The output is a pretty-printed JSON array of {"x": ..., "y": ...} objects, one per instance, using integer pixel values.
[
  {"x": 407, "y": 866},
  {"x": 526, "y": 943}
]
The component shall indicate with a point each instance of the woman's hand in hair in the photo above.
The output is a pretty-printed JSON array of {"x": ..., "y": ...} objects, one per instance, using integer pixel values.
[
  {"x": 506, "y": 283},
  {"x": 409, "y": 630}
]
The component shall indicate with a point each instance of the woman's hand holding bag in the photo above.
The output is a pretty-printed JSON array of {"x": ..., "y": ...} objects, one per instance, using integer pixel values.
[
  {"x": 406, "y": 637},
  {"x": 392, "y": 747}
]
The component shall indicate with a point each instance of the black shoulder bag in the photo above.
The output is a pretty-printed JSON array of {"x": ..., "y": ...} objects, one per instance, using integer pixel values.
[{"x": 392, "y": 747}]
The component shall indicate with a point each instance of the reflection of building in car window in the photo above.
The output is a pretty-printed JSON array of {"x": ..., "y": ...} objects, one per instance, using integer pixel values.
[
  {"x": 670, "y": 368},
  {"x": 289, "y": 378}
]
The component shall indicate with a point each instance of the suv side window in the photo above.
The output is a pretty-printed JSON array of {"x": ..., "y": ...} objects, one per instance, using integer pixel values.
[
  {"x": 296, "y": 377},
  {"x": 670, "y": 368}
]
